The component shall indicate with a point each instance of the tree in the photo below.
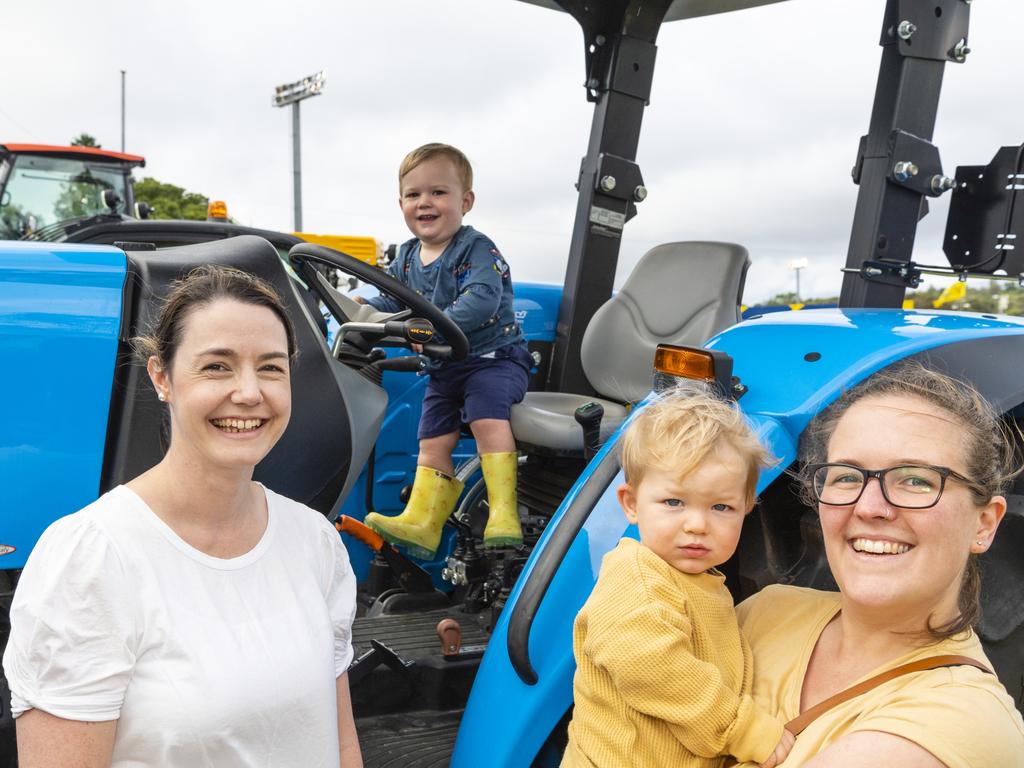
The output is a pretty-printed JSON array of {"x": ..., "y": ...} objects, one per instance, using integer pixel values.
[
  {"x": 169, "y": 201},
  {"x": 85, "y": 140}
]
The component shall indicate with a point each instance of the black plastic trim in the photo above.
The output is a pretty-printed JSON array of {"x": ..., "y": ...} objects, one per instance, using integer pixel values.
[{"x": 537, "y": 583}]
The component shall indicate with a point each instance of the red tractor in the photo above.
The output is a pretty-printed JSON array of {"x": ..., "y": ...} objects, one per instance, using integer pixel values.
[{"x": 43, "y": 188}]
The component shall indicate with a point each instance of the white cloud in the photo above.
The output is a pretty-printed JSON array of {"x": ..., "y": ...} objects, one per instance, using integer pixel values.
[{"x": 750, "y": 136}]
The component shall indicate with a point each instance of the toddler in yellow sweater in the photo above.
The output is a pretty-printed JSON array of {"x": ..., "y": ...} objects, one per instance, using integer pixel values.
[{"x": 663, "y": 677}]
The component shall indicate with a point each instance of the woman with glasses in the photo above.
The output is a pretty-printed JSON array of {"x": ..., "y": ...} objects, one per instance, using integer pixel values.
[{"x": 907, "y": 472}]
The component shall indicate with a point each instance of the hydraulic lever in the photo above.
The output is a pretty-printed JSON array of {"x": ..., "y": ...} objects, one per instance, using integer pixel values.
[
  {"x": 589, "y": 416},
  {"x": 415, "y": 330}
]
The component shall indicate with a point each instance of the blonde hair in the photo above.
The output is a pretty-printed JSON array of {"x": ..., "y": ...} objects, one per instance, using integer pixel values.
[
  {"x": 680, "y": 429},
  {"x": 427, "y": 152}
]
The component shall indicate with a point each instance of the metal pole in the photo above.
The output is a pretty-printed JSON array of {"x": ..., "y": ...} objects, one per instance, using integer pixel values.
[
  {"x": 797, "y": 270},
  {"x": 297, "y": 166},
  {"x": 122, "y": 110},
  {"x": 619, "y": 37},
  {"x": 906, "y": 102}
]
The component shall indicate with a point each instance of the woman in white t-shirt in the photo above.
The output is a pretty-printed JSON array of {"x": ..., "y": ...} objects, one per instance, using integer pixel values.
[{"x": 193, "y": 617}]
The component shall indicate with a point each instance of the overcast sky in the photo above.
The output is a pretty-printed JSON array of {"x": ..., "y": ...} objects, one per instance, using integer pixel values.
[{"x": 750, "y": 136}]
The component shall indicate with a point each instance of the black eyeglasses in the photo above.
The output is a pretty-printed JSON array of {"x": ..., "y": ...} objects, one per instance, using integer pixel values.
[{"x": 910, "y": 486}]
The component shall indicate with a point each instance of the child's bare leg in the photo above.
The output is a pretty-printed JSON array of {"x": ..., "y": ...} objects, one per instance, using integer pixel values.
[
  {"x": 436, "y": 452},
  {"x": 492, "y": 436}
]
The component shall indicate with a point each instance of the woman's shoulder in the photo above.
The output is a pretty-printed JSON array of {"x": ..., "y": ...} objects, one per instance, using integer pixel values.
[
  {"x": 960, "y": 714},
  {"x": 295, "y": 513},
  {"x": 304, "y": 526},
  {"x": 92, "y": 531}
]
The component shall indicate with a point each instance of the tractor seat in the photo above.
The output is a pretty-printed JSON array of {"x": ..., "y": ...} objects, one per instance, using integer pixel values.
[{"x": 678, "y": 293}]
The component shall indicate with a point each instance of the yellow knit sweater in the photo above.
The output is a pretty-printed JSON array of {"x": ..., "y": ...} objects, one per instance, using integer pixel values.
[{"x": 662, "y": 676}]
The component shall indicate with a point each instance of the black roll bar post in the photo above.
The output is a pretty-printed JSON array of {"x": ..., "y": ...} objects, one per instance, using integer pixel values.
[
  {"x": 897, "y": 166},
  {"x": 618, "y": 38}
]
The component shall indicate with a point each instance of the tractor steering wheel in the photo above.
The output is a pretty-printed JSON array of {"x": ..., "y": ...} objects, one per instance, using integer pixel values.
[{"x": 303, "y": 257}]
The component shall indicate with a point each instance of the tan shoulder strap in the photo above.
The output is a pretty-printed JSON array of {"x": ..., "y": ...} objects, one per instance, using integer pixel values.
[{"x": 797, "y": 724}]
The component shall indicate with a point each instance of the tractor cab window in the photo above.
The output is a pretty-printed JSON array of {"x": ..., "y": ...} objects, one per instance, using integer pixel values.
[{"x": 42, "y": 191}]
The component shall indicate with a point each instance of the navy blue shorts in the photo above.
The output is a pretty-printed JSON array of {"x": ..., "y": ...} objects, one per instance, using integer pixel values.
[{"x": 477, "y": 388}]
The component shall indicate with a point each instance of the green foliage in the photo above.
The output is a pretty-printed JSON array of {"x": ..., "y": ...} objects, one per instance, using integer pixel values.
[
  {"x": 996, "y": 297},
  {"x": 789, "y": 297},
  {"x": 78, "y": 198},
  {"x": 169, "y": 201},
  {"x": 85, "y": 140}
]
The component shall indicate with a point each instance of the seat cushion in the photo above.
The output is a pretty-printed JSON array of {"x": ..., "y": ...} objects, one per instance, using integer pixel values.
[{"x": 546, "y": 419}]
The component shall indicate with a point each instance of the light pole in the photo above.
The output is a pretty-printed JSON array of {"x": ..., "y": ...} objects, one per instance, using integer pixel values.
[
  {"x": 122, "y": 110},
  {"x": 293, "y": 93},
  {"x": 796, "y": 265}
]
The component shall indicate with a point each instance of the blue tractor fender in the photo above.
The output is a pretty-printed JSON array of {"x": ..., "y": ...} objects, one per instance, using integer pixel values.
[
  {"x": 793, "y": 364},
  {"x": 60, "y": 312}
]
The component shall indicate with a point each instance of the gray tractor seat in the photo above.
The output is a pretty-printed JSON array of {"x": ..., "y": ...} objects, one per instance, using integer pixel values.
[{"x": 678, "y": 293}]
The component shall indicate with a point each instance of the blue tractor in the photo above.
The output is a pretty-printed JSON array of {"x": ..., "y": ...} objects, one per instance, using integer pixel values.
[{"x": 447, "y": 648}]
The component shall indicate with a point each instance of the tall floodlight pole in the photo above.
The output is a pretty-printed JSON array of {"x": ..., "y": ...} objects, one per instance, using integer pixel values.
[
  {"x": 122, "y": 110},
  {"x": 796, "y": 265},
  {"x": 293, "y": 93}
]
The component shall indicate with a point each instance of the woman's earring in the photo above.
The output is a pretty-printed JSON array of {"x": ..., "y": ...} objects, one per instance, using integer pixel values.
[{"x": 160, "y": 396}]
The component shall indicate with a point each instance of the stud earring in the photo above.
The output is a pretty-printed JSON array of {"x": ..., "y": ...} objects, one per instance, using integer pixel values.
[
  {"x": 160, "y": 396},
  {"x": 978, "y": 542}
]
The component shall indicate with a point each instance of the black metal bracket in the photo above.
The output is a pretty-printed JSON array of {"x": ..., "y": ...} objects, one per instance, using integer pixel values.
[
  {"x": 901, "y": 274},
  {"x": 373, "y": 658},
  {"x": 929, "y": 29},
  {"x": 620, "y": 178},
  {"x": 627, "y": 66},
  {"x": 914, "y": 163},
  {"x": 985, "y": 227}
]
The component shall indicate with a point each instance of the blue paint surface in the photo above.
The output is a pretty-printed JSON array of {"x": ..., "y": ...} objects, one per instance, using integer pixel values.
[
  {"x": 785, "y": 391},
  {"x": 60, "y": 310}
]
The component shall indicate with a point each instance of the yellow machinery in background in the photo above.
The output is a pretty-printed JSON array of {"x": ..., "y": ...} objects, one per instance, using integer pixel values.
[{"x": 366, "y": 249}]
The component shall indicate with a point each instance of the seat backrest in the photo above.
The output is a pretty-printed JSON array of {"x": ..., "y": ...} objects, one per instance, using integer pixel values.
[
  {"x": 678, "y": 293},
  {"x": 336, "y": 412}
]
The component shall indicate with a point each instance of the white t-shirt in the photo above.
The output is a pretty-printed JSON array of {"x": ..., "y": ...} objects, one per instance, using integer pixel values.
[{"x": 203, "y": 661}]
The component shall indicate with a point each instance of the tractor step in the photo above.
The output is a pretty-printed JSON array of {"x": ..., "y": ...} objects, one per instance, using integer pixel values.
[
  {"x": 399, "y": 666},
  {"x": 419, "y": 739}
]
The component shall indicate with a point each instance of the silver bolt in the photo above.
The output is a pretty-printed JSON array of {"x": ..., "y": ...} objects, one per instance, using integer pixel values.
[
  {"x": 592, "y": 83},
  {"x": 904, "y": 170},
  {"x": 600, "y": 40},
  {"x": 608, "y": 183},
  {"x": 941, "y": 183},
  {"x": 960, "y": 51},
  {"x": 906, "y": 29},
  {"x": 640, "y": 193},
  {"x": 872, "y": 271}
]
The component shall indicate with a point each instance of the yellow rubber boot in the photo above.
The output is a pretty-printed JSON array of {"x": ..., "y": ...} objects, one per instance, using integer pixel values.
[
  {"x": 503, "y": 528},
  {"x": 418, "y": 528}
]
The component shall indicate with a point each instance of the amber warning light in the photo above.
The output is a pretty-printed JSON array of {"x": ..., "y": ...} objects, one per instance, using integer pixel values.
[
  {"x": 217, "y": 210},
  {"x": 685, "y": 363},
  {"x": 694, "y": 364}
]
